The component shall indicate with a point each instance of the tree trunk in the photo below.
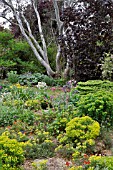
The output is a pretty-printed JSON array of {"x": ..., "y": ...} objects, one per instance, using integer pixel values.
[
  {"x": 67, "y": 70},
  {"x": 58, "y": 62},
  {"x": 40, "y": 51}
]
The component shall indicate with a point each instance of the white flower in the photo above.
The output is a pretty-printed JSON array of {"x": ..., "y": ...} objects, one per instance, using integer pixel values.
[{"x": 41, "y": 85}]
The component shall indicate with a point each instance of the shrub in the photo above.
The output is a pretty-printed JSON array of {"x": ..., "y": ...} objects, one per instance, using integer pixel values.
[
  {"x": 16, "y": 54},
  {"x": 5, "y": 37},
  {"x": 99, "y": 162},
  {"x": 82, "y": 128},
  {"x": 11, "y": 152},
  {"x": 96, "y": 163},
  {"x": 60, "y": 82},
  {"x": 98, "y": 105},
  {"x": 80, "y": 135},
  {"x": 91, "y": 86}
]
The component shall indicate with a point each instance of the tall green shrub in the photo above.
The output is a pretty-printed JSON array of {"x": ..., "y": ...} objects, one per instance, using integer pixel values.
[
  {"x": 98, "y": 105},
  {"x": 16, "y": 54}
]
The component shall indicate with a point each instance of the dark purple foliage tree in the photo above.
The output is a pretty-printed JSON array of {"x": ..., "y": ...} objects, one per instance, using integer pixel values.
[{"x": 88, "y": 36}]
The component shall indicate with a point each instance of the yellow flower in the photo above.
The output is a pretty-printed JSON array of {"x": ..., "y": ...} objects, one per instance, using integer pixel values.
[
  {"x": 94, "y": 158},
  {"x": 46, "y": 133},
  {"x": 91, "y": 142},
  {"x": 48, "y": 141}
]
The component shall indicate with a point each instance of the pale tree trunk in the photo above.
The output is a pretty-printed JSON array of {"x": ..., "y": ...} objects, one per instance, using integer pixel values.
[
  {"x": 66, "y": 70},
  {"x": 58, "y": 62},
  {"x": 39, "y": 51},
  {"x": 65, "y": 74},
  {"x": 59, "y": 25}
]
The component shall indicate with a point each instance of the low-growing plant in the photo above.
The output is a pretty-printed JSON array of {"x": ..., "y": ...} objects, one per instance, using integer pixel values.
[
  {"x": 4, "y": 88},
  {"x": 27, "y": 78},
  {"x": 27, "y": 116},
  {"x": 23, "y": 127},
  {"x": 33, "y": 104},
  {"x": 74, "y": 97},
  {"x": 34, "y": 78},
  {"x": 95, "y": 163},
  {"x": 40, "y": 165},
  {"x": 101, "y": 162},
  {"x": 11, "y": 152},
  {"x": 22, "y": 92},
  {"x": 42, "y": 146},
  {"x": 10, "y": 114},
  {"x": 58, "y": 124},
  {"x": 80, "y": 134},
  {"x": 12, "y": 77}
]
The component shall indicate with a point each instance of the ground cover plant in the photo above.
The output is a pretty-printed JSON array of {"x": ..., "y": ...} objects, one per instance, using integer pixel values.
[{"x": 60, "y": 125}]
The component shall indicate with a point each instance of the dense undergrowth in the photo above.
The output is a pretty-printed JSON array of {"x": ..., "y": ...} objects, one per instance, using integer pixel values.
[{"x": 73, "y": 123}]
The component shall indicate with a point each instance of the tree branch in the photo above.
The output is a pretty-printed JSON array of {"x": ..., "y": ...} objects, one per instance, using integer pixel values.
[
  {"x": 59, "y": 22},
  {"x": 40, "y": 31},
  {"x": 31, "y": 35}
]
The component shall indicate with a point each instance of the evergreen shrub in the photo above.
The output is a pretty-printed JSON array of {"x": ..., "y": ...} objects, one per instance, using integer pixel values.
[
  {"x": 98, "y": 105},
  {"x": 91, "y": 86}
]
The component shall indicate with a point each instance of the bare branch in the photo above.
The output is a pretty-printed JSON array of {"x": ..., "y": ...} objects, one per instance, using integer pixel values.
[
  {"x": 31, "y": 35},
  {"x": 9, "y": 20},
  {"x": 8, "y": 4},
  {"x": 59, "y": 23},
  {"x": 40, "y": 31}
]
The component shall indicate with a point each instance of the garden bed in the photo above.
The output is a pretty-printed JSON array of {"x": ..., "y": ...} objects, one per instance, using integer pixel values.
[{"x": 56, "y": 128}]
